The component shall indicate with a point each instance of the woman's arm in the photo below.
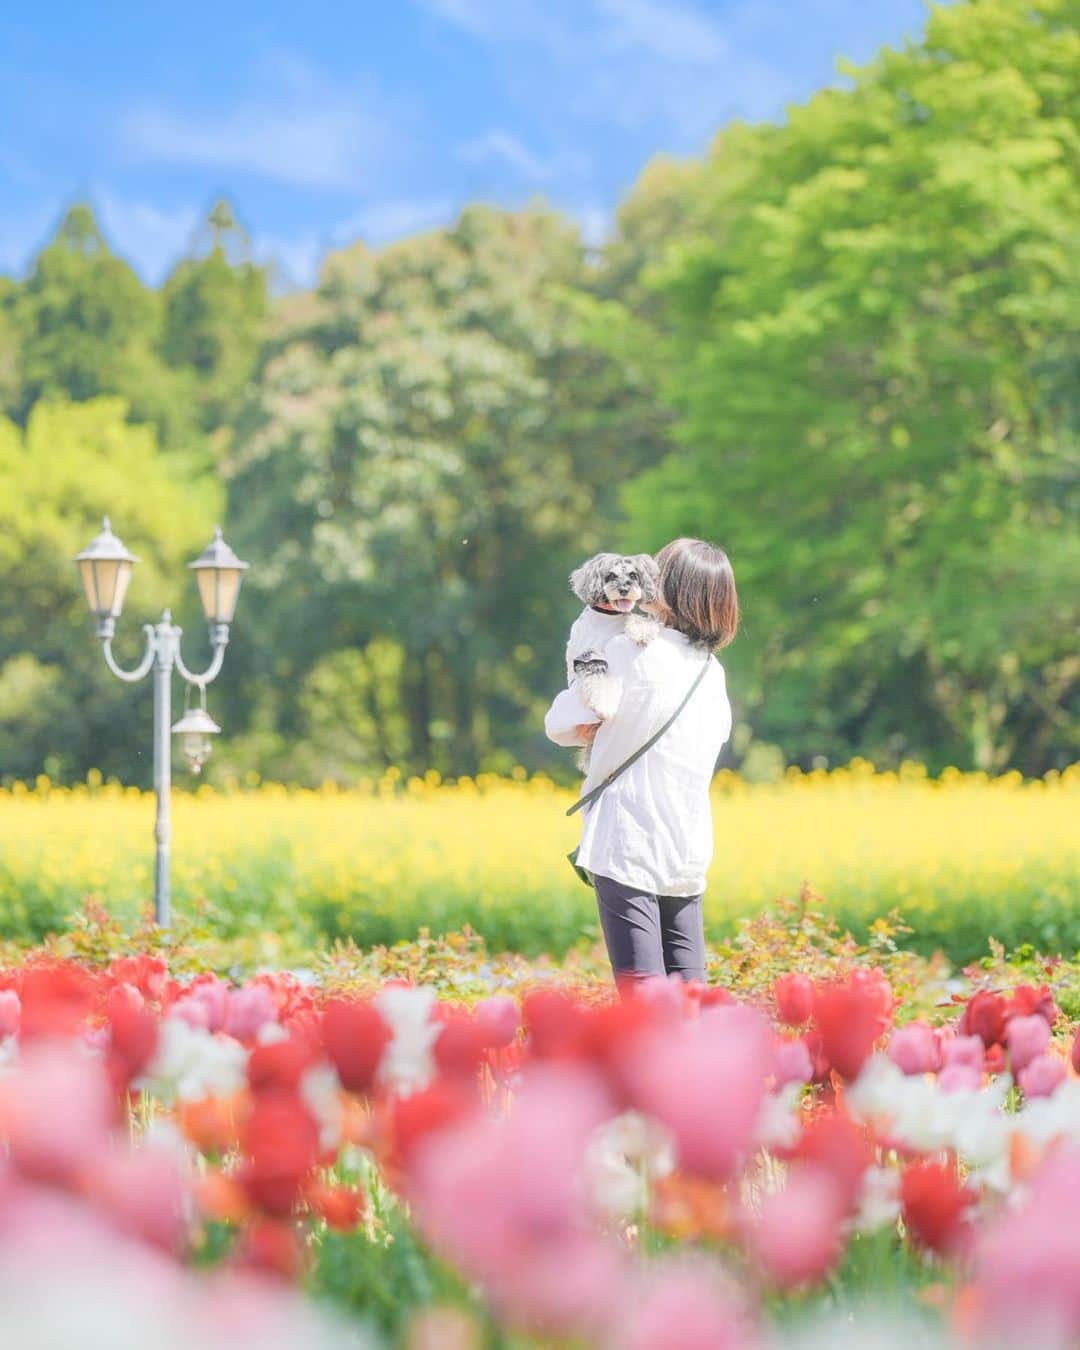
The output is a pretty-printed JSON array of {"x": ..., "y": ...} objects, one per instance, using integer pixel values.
[
  {"x": 565, "y": 719},
  {"x": 568, "y": 715}
]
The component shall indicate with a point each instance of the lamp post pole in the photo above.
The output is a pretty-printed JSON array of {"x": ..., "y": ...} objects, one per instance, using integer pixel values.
[{"x": 106, "y": 570}]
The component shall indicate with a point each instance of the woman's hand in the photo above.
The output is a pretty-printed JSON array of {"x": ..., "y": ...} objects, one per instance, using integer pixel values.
[{"x": 587, "y": 731}]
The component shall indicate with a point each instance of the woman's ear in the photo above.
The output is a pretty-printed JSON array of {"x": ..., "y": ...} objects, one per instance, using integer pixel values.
[
  {"x": 587, "y": 581},
  {"x": 650, "y": 575}
]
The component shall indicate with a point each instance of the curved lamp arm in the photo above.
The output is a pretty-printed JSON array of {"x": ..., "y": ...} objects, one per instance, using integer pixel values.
[
  {"x": 142, "y": 669},
  {"x": 219, "y": 639}
]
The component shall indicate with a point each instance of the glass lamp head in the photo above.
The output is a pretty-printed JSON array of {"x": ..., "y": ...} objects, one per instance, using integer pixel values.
[
  {"x": 218, "y": 572},
  {"x": 105, "y": 566},
  {"x": 194, "y": 730}
]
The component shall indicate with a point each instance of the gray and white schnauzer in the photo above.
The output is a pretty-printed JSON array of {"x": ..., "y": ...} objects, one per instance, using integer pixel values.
[{"x": 609, "y": 585}]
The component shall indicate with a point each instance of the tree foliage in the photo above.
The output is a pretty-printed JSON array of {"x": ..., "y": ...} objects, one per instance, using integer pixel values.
[
  {"x": 59, "y": 707},
  {"x": 844, "y": 345},
  {"x": 867, "y": 322},
  {"x": 433, "y": 446}
]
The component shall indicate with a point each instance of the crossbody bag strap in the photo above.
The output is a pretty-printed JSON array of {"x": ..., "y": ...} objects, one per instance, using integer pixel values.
[{"x": 590, "y": 797}]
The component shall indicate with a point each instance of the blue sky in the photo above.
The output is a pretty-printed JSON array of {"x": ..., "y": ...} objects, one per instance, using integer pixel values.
[{"x": 327, "y": 121}]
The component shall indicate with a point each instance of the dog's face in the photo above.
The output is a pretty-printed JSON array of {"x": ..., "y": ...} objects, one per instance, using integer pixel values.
[{"x": 614, "y": 581}]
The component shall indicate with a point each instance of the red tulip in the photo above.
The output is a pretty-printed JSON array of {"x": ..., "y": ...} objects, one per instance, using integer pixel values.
[
  {"x": 935, "y": 1206},
  {"x": 500, "y": 1019},
  {"x": 426, "y": 1112},
  {"x": 833, "y": 1142},
  {"x": 355, "y": 1037},
  {"x": 56, "y": 998},
  {"x": 461, "y": 1046},
  {"x": 281, "y": 1140},
  {"x": 794, "y": 996},
  {"x": 338, "y": 1206},
  {"x": 819, "y": 1060},
  {"x": 850, "y": 1017},
  {"x": 553, "y": 1024},
  {"x": 133, "y": 1030},
  {"x": 1027, "y": 1001},
  {"x": 280, "y": 1065},
  {"x": 272, "y": 1248},
  {"x": 984, "y": 1016},
  {"x": 148, "y": 974}
]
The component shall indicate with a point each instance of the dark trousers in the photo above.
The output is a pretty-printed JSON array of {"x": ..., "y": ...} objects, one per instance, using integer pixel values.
[{"x": 651, "y": 934}]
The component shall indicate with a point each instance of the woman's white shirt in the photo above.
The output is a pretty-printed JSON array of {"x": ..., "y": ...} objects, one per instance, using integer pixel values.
[{"x": 652, "y": 828}]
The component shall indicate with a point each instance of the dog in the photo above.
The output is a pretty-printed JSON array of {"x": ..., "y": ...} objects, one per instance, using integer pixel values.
[{"x": 609, "y": 585}]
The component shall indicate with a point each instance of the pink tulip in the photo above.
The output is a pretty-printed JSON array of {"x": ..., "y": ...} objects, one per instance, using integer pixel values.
[
  {"x": 704, "y": 1080},
  {"x": 797, "y": 1234},
  {"x": 968, "y": 1050},
  {"x": 1042, "y": 1076},
  {"x": 791, "y": 1062},
  {"x": 959, "y": 1078},
  {"x": 502, "y": 1198},
  {"x": 915, "y": 1049},
  {"x": 248, "y": 1010},
  {"x": 55, "y": 1113},
  {"x": 1026, "y": 1290},
  {"x": 10, "y": 1009},
  {"x": 143, "y": 1190},
  {"x": 1026, "y": 1038},
  {"x": 686, "y": 1303},
  {"x": 499, "y": 1019},
  {"x": 204, "y": 1003}
]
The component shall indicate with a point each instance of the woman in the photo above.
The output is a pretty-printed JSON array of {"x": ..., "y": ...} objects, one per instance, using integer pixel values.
[{"x": 647, "y": 839}]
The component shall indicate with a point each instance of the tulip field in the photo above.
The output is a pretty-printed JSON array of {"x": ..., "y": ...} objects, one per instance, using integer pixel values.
[
  {"x": 374, "y": 1089},
  {"x": 424, "y": 1146},
  {"x": 961, "y": 859}
]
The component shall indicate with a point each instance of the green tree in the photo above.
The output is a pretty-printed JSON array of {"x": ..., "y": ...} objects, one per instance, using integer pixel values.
[
  {"x": 215, "y": 307},
  {"x": 432, "y": 446},
  {"x": 60, "y": 710},
  {"x": 866, "y": 320},
  {"x": 86, "y": 325}
]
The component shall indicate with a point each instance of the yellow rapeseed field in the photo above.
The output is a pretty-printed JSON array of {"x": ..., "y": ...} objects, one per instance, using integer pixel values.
[{"x": 963, "y": 857}]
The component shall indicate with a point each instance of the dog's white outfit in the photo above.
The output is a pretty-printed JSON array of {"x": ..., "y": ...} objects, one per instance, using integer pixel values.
[{"x": 592, "y": 631}]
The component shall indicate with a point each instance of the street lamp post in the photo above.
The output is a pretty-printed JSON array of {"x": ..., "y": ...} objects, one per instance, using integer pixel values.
[{"x": 106, "y": 567}]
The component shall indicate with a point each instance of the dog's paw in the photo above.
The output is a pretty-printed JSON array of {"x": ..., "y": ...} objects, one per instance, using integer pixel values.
[
  {"x": 590, "y": 663},
  {"x": 641, "y": 628},
  {"x": 601, "y": 693}
]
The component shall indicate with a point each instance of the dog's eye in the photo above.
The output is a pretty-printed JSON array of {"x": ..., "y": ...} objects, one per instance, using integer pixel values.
[
  {"x": 610, "y": 577},
  {"x": 633, "y": 576}
]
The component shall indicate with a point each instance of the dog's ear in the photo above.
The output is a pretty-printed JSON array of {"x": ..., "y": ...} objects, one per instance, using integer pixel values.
[
  {"x": 587, "y": 581},
  {"x": 649, "y": 574}
]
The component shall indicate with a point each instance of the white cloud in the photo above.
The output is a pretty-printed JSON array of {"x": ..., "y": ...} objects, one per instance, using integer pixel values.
[
  {"x": 297, "y": 127},
  {"x": 501, "y": 146},
  {"x": 665, "y": 65},
  {"x": 381, "y": 222},
  {"x": 669, "y": 32}
]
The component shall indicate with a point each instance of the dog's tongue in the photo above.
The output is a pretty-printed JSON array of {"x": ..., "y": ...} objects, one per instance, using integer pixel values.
[{"x": 624, "y": 606}]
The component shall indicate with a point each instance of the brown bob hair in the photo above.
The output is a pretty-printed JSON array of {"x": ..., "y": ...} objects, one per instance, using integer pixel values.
[{"x": 697, "y": 589}]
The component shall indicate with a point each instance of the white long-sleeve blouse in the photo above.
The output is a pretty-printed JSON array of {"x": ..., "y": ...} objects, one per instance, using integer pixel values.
[{"x": 651, "y": 828}]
